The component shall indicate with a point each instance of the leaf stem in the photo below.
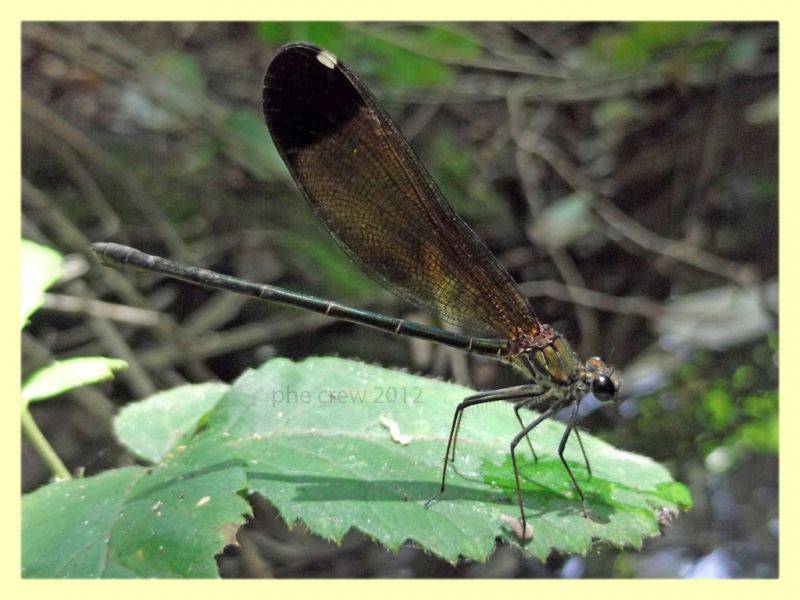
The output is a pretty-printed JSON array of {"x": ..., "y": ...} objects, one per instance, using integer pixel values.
[{"x": 42, "y": 446}]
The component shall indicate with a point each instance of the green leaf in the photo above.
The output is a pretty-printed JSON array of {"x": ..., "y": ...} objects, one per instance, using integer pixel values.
[
  {"x": 67, "y": 374},
  {"x": 332, "y": 36},
  {"x": 761, "y": 435},
  {"x": 399, "y": 67},
  {"x": 337, "y": 445},
  {"x": 401, "y": 57},
  {"x": 415, "y": 57},
  {"x": 271, "y": 32},
  {"x": 314, "y": 437},
  {"x": 719, "y": 408},
  {"x": 152, "y": 427},
  {"x": 135, "y": 522},
  {"x": 744, "y": 377},
  {"x": 451, "y": 42},
  {"x": 632, "y": 46},
  {"x": 41, "y": 267},
  {"x": 247, "y": 143},
  {"x": 661, "y": 34}
]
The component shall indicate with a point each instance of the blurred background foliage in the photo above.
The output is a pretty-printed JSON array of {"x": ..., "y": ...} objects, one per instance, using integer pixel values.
[{"x": 624, "y": 173}]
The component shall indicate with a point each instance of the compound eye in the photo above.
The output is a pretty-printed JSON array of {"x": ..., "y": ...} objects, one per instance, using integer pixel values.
[{"x": 603, "y": 388}]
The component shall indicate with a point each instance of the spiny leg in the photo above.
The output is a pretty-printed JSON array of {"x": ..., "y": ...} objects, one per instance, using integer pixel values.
[
  {"x": 454, "y": 433},
  {"x": 517, "y": 407},
  {"x": 563, "y": 444},
  {"x": 520, "y": 391},
  {"x": 585, "y": 456},
  {"x": 528, "y": 392},
  {"x": 524, "y": 433}
]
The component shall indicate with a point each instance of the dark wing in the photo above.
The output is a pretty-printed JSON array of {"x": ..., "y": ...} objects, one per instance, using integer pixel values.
[{"x": 373, "y": 194}]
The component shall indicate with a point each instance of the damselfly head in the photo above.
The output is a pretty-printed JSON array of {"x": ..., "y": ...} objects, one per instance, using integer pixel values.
[{"x": 605, "y": 383}]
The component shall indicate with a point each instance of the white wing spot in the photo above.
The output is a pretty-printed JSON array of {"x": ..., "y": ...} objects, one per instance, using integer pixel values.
[{"x": 327, "y": 59}]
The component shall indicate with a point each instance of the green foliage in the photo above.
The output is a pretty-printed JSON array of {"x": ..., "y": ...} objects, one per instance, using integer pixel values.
[
  {"x": 416, "y": 58},
  {"x": 137, "y": 522},
  {"x": 41, "y": 267},
  {"x": 759, "y": 429},
  {"x": 151, "y": 427},
  {"x": 325, "y": 35},
  {"x": 632, "y": 46},
  {"x": 401, "y": 57},
  {"x": 744, "y": 421},
  {"x": 68, "y": 374},
  {"x": 246, "y": 143},
  {"x": 712, "y": 403},
  {"x": 718, "y": 409},
  {"x": 312, "y": 438}
]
